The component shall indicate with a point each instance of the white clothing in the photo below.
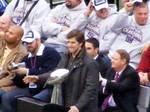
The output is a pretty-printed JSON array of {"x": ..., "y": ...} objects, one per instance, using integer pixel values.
[
  {"x": 59, "y": 17},
  {"x": 35, "y": 18}
]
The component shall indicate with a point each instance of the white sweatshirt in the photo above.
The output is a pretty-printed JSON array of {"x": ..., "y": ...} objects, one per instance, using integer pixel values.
[
  {"x": 94, "y": 26},
  {"x": 59, "y": 17},
  {"x": 36, "y": 16},
  {"x": 130, "y": 36}
]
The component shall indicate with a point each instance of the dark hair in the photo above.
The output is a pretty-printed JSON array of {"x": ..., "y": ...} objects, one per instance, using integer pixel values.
[
  {"x": 140, "y": 5},
  {"x": 145, "y": 1},
  {"x": 124, "y": 55},
  {"x": 93, "y": 41},
  {"x": 77, "y": 34}
]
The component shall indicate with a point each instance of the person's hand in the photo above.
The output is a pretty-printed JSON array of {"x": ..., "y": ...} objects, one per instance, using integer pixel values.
[
  {"x": 64, "y": 28},
  {"x": 143, "y": 78},
  {"x": 102, "y": 80},
  {"x": 30, "y": 79},
  {"x": 128, "y": 6},
  {"x": 73, "y": 109},
  {"x": 2, "y": 35},
  {"x": 89, "y": 9},
  {"x": 145, "y": 48},
  {"x": 21, "y": 70}
]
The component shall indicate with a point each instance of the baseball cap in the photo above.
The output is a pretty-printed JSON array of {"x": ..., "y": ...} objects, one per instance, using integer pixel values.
[
  {"x": 134, "y": 1},
  {"x": 30, "y": 36},
  {"x": 100, "y": 4}
]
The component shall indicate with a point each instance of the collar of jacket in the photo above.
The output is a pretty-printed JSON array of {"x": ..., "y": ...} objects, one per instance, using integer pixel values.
[{"x": 78, "y": 60}]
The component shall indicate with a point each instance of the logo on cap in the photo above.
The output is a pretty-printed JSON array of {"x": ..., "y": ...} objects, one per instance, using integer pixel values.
[{"x": 99, "y": 2}]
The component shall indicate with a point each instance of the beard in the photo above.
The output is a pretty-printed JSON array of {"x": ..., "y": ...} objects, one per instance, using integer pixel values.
[{"x": 69, "y": 6}]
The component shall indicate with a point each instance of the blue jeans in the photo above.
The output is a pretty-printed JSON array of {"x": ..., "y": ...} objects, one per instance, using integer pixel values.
[
  {"x": 44, "y": 95},
  {"x": 9, "y": 103},
  {"x": 1, "y": 93}
]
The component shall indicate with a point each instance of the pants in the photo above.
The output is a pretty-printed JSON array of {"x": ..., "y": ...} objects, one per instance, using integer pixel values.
[
  {"x": 44, "y": 95},
  {"x": 9, "y": 101}
]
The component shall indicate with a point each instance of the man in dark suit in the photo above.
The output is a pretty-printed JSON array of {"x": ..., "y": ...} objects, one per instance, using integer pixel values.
[
  {"x": 92, "y": 49},
  {"x": 121, "y": 84}
]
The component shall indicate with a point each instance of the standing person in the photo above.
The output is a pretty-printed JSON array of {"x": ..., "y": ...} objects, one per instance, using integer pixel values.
[
  {"x": 121, "y": 84},
  {"x": 80, "y": 87},
  {"x": 40, "y": 59},
  {"x": 19, "y": 9},
  {"x": 57, "y": 24}
]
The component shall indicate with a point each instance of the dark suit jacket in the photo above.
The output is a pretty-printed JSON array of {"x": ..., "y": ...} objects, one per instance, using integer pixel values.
[
  {"x": 103, "y": 64},
  {"x": 126, "y": 90},
  {"x": 80, "y": 87}
]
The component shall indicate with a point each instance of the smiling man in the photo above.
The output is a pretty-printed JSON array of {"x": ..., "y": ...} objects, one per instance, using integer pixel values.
[
  {"x": 80, "y": 87},
  {"x": 40, "y": 60},
  {"x": 131, "y": 31},
  {"x": 121, "y": 85}
]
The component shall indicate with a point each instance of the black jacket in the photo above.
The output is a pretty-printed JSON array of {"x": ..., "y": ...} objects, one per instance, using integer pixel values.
[
  {"x": 80, "y": 87},
  {"x": 126, "y": 90},
  {"x": 103, "y": 64}
]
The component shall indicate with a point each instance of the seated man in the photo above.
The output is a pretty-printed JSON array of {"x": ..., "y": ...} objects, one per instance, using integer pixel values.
[
  {"x": 121, "y": 85},
  {"x": 80, "y": 87},
  {"x": 144, "y": 67},
  {"x": 11, "y": 51},
  {"x": 40, "y": 59},
  {"x": 5, "y": 22}
]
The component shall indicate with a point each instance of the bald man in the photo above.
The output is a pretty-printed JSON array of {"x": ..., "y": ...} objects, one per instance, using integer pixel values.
[
  {"x": 5, "y": 22},
  {"x": 12, "y": 51}
]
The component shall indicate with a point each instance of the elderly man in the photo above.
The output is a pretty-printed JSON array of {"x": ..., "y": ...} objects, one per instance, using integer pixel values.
[
  {"x": 5, "y": 22},
  {"x": 57, "y": 24},
  {"x": 28, "y": 13},
  {"x": 121, "y": 85}
]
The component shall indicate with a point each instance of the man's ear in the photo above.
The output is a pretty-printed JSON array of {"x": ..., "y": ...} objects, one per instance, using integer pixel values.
[{"x": 124, "y": 61}]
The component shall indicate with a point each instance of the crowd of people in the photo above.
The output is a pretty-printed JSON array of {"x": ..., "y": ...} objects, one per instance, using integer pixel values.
[{"x": 106, "y": 52}]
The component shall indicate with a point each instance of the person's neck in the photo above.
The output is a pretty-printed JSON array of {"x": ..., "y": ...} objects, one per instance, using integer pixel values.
[
  {"x": 121, "y": 68},
  {"x": 76, "y": 53},
  {"x": 11, "y": 46},
  {"x": 35, "y": 51}
]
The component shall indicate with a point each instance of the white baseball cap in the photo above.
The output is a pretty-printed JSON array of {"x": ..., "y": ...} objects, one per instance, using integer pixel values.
[
  {"x": 133, "y": 1},
  {"x": 30, "y": 36},
  {"x": 100, "y": 4}
]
